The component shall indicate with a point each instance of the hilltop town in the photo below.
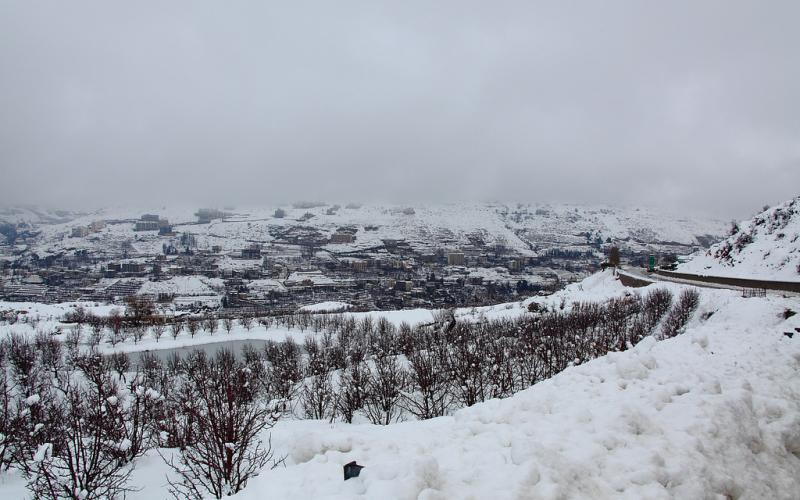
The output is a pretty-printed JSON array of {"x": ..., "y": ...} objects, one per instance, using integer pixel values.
[{"x": 360, "y": 257}]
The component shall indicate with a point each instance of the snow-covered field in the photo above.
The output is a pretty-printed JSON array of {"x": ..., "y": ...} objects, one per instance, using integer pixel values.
[{"x": 712, "y": 413}]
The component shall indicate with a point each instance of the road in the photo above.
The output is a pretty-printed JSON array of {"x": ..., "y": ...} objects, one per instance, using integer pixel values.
[{"x": 632, "y": 276}]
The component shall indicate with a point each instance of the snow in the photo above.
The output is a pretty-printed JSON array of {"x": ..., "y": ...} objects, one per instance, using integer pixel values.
[
  {"x": 711, "y": 413},
  {"x": 429, "y": 228},
  {"x": 766, "y": 247},
  {"x": 43, "y": 452},
  {"x": 183, "y": 285},
  {"x": 124, "y": 445},
  {"x": 326, "y": 307},
  {"x": 308, "y": 277}
]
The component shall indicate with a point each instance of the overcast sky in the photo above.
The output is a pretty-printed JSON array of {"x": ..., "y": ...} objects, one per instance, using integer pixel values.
[{"x": 690, "y": 105}]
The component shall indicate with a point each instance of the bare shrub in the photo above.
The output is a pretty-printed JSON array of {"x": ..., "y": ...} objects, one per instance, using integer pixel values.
[
  {"x": 227, "y": 323},
  {"x": 385, "y": 384},
  {"x": 680, "y": 313},
  {"x": 192, "y": 325},
  {"x": 428, "y": 395},
  {"x": 210, "y": 324},
  {"x": 353, "y": 386},
  {"x": 227, "y": 419},
  {"x": 157, "y": 326},
  {"x": 175, "y": 328},
  {"x": 318, "y": 398}
]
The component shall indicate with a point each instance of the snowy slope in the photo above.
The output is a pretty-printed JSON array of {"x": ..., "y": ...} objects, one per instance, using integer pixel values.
[
  {"x": 765, "y": 247},
  {"x": 522, "y": 228},
  {"x": 713, "y": 413}
]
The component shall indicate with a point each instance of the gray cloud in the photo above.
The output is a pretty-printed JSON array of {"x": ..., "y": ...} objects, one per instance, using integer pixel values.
[{"x": 684, "y": 104}]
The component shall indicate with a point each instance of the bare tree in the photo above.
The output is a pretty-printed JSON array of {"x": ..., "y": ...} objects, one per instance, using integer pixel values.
[
  {"x": 246, "y": 321},
  {"x": 157, "y": 326},
  {"x": 192, "y": 324},
  {"x": 7, "y": 410},
  {"x": 210, "y": 324},
  {"x": 121, "y": 363},
  {"x": 227, "y": 323},
  {"x": 97, "y": 324},
  {"x": 466, "y": 361},
  {"x": 352, "y": 390},
  {"x": 175, "y": 327},
  {"x": 284, "y": 359},
  {"x": 228, "y": 418},
  {"x": 429, "y": 394},
  {"x": 138, "y": 331},
  {"x": 318, "y": 398},
  {"x": 84, "y": 458},
  {"x": 386, "y": 381}
]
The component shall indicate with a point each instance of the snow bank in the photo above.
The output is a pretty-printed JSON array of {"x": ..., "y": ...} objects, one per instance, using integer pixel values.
[{"x": 712, "y": 413}]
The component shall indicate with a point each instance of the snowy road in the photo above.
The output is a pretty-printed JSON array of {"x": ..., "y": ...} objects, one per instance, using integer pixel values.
[{"x": 643, "y": 275}]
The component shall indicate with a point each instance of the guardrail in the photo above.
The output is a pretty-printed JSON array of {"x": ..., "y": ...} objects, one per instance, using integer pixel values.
[
  {"x": 754, "y": 292},
  {"x": 786, "y": 286}
]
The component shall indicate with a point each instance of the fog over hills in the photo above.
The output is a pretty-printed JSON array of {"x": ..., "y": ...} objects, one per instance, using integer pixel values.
[{"x": 681, "y": 104}]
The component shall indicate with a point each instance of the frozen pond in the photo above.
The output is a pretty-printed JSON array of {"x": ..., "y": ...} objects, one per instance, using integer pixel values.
[{"x": 210, "y": 349}]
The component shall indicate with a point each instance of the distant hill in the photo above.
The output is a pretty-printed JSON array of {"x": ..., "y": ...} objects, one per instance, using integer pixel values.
[
  {"x": 527, "y": 229},
  {"x": 765, "y": 247}
]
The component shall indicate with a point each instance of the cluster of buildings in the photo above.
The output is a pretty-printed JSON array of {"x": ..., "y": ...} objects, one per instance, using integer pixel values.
[
  {"x": 83, "y": 231},
  {"x": 299, "y": 265}
]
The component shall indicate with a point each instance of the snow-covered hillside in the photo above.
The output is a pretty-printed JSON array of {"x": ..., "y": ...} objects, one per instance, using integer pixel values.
[
  {"x": 711, "y": 413},
  {"x": 522, "y": 228},
  {"x": 765, "y": 247}
]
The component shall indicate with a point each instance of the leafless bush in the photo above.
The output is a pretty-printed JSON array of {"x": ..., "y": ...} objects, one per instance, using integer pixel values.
[
  {"x": 318, "y": 398},
  {"x": 157, "y": 326},
  {"x": 654, "y": 306},
  {"x": 227, "y": 420},
  {"x": 210, "y": 324},
  {"x": 80, "y": 445},
  {"x": 428, "y": 395},
  {"x": 353, "y": 386},
  {"x": 84, "y": 461},
  {"x": 175, "y": 327},
  {"x": 680, "y": 313},
  {"x": 284, "y": 359},
  {"x": 246, "y": 321},
  {"x": 192, "y": 325},
  {"x": 384, "y": 389},
  {"x": 7, "y": 410}
]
